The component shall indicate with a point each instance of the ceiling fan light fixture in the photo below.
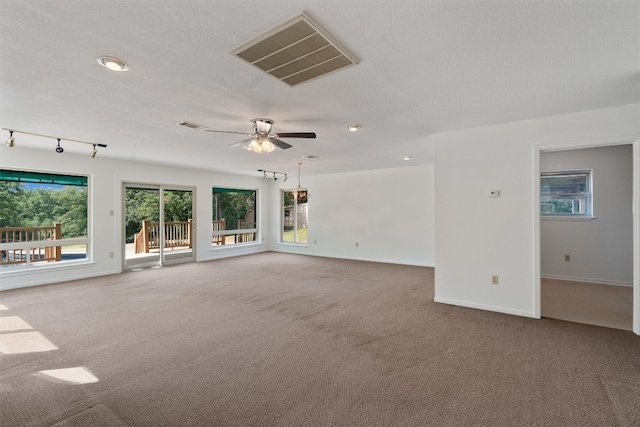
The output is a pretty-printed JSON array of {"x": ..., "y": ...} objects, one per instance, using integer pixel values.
[
  {"x": 260, "y": 145},
  {"x": 113, "y": 64},
  {"x": 267, "y": 146}
]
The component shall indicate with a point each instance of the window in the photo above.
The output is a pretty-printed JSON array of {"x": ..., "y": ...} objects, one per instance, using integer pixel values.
[
  {"x": 43, "y": 218},
  {"x": 234, "y": 216},
  {"x": 566, "y": 194},
  {"x": 294, "y": 217}
]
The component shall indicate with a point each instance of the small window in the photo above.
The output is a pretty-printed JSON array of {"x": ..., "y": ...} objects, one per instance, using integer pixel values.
[{"x": 566, "y": 194}]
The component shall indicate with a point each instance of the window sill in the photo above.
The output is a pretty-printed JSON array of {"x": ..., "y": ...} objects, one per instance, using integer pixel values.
[
  {"x": 234, "y": 246},
  {"x": 19, "y": 271},
  {"x": 567, "y": 218},
  {"x": 297, "y": 245}
]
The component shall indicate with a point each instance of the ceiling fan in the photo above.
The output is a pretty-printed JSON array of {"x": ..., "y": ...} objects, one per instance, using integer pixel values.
[{"x": 262, "y": 140}]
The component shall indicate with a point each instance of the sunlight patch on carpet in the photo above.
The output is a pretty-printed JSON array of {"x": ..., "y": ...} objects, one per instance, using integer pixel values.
[
  {"x": 79, "y": 375},
  {"x": 13, "y": 323},
  {"x": 25, "y": 342}
]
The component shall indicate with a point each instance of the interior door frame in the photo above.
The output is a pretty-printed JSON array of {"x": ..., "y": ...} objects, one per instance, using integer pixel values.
[
  {"x": 161, "y": 189},
  {"x": 634, "y": 141}
]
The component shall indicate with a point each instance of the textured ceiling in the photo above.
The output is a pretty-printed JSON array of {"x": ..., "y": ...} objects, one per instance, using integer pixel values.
[{"x": 424, "y": 67}]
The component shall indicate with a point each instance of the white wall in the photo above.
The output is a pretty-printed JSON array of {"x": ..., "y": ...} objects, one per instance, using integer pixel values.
[
  {"x": 478, "y": 236},
  {"x": 107, "y": 177},
  {"x": 601, "y": 250},
  {"x": 388, "y": 212}
]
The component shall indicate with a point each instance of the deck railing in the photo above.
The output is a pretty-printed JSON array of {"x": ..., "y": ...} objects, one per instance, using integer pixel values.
[
  {"x": 219, "y": 225},
  {"x": 176, "y": 234},
  {"x": 32, "y": 254},
  {"x": 246, "y": 237}
]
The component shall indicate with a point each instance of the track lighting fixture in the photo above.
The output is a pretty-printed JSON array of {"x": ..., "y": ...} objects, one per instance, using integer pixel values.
[
  {"x": 275, "y": 174},
  {"x": 11, "y": 141},
  {"x": 59, "y": 149}
]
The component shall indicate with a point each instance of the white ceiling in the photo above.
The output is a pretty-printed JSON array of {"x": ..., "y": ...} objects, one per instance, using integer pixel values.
[{"x": 425, "y": 67}]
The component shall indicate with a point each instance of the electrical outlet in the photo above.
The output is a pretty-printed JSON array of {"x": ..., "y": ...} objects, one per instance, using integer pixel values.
[
  {"x": 357, "y": 244},
  {"x": 111, "y": 254},
  {"x": 494, "y": 280},
  {"x": 567, "y": 257}
]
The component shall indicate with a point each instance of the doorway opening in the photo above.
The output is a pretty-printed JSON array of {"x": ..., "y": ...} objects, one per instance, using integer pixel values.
[{"x": 586, "y": 235}]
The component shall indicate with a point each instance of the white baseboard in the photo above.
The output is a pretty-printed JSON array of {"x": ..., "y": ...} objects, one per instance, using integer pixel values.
[
  {"x": 586, "y": 280},
  {"x": 486, "y": 307}
]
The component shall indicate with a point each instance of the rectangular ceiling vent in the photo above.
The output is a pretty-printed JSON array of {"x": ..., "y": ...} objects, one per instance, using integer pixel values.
[
  {"x": 295, "y": 51},
  {"x": 191, "y": 125}
]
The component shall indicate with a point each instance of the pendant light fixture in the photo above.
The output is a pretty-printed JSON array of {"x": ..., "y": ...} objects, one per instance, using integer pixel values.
[
  {"x": 297, "y": 192},
  {"x": 59, "y": 149}
]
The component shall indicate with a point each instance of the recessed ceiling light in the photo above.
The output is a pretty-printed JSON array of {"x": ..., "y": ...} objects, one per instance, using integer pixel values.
[
  {"x": 114, "y": 64},
  {"x": 310, "y": 156},
  {"x": 354, "y": 128},
  {"x": 407, "y": 157}
]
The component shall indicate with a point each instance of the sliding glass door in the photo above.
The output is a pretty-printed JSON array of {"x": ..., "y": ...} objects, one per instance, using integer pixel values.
[{"x": 158, "y": 225}]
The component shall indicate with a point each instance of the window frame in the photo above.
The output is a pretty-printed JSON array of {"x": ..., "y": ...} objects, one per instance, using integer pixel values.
[
  {"x": 236, "y": 231},
  {"x": 559, "y": 196},
  {"x": 30, "y": 246}
]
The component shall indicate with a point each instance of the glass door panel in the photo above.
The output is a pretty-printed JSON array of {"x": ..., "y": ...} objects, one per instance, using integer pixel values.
[
  {"x": 178, "y": 225},
  {"x": 142, "y": 227}
]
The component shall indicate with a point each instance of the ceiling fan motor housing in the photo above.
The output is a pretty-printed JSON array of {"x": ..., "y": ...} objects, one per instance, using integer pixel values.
[{"x": 262, "y": 126}]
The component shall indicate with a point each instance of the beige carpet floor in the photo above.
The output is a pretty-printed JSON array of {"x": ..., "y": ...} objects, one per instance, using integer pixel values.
[
  {"x": 287, "y": 340},
  {"x": 589, "y": 303}
]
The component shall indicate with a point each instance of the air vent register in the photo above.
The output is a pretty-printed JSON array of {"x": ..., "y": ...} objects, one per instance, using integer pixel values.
[{"x": 295, "y": 52}]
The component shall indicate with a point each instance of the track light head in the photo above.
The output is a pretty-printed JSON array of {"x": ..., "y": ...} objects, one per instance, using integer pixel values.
[
  {"x": 11, "y": 141},
  {"x": 94, "y": 153},
  {"x": 59, "y": 149},
  {"x": 285, "y": 177}
]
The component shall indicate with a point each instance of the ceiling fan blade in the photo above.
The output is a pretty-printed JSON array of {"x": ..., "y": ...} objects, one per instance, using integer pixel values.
[
  {"x": 226, "y": 131},
  {"x": 279, "y": 143},
  {"x": 296, "y": 135},
  {"x": 244, "y": 141}
]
